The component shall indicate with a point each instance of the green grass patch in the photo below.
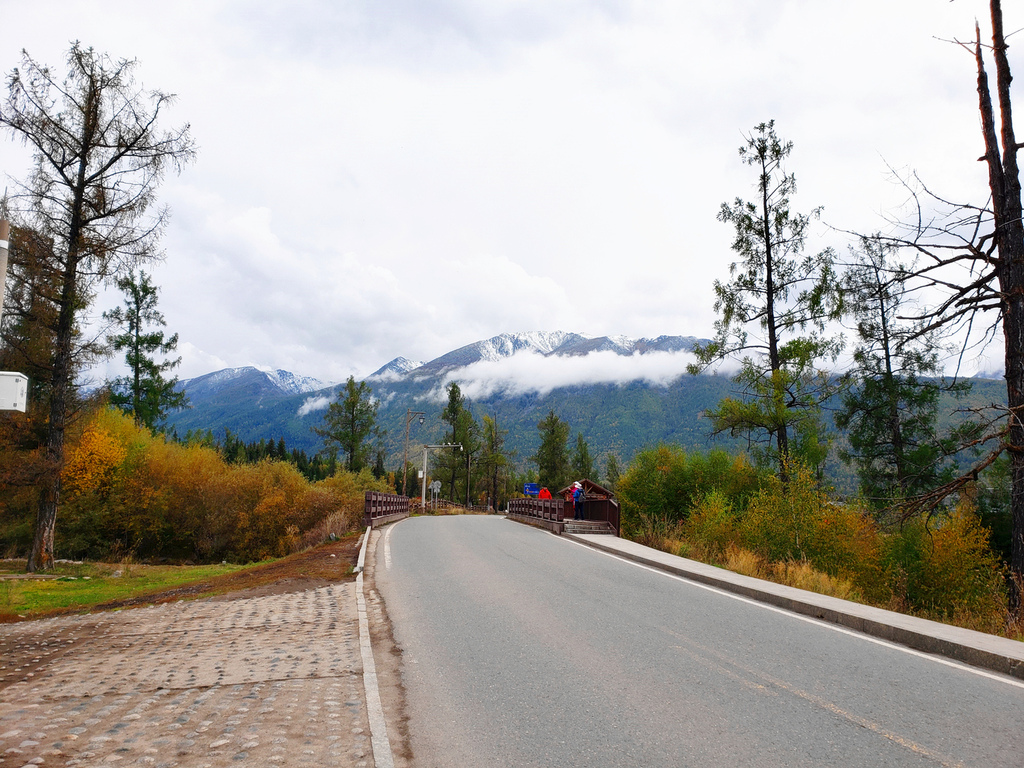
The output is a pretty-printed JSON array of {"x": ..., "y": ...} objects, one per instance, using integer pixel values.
[{"x": 80, "y": 586}]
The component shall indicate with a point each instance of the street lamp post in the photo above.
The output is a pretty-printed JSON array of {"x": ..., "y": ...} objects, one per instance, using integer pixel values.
[
  {"x": 409, "y": 416},
  {"x": 423, "y": 497}
]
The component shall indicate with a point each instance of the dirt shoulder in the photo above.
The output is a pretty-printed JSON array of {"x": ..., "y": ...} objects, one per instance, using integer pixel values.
[{"x": 329, "y": 563}]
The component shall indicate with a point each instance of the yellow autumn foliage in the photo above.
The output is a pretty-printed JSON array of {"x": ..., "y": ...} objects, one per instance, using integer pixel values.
[
  {"x": 135, "y": 493},
  {"x": 91, "y": 464}
]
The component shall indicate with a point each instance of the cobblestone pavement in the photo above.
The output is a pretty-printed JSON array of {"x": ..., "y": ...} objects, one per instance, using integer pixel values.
[{"x": 271, "y": 681}]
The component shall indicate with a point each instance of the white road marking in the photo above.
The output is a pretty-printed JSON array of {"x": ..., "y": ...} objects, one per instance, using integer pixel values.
[
  {"x": 382, "y": 756},
  {"x": 810, "y": 620},
  {"x": 387, "y": 547}
]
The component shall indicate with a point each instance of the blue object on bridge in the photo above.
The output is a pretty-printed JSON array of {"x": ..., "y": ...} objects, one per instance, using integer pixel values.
[{"x": 531, "y": 489}]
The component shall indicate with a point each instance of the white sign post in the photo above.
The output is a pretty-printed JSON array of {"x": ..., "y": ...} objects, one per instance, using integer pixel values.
[
  {"x": 5, "y": 234},
  {"x": 423, "y": 472}
]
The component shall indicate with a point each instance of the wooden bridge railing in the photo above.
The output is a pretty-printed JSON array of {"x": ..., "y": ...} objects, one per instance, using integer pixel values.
[
  {"x": 382, "y": 508},
  {"x": 549, "y": 513}
]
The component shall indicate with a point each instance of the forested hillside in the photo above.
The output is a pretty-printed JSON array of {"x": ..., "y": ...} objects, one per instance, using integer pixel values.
[{"x": 612, "y": 419}]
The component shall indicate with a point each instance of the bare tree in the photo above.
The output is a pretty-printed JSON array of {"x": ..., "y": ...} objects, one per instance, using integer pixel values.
[
  {"x": 974, "y": 257},
  {"x": 98, "y": 157}
]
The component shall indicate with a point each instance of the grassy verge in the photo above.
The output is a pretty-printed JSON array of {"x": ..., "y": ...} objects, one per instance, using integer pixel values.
[
  {"x": 84, "y": 585},
  {"x": 79, "y": 587}
]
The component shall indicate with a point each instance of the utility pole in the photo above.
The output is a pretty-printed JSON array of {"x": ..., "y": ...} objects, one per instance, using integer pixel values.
[{"x": 409, "y": 416}]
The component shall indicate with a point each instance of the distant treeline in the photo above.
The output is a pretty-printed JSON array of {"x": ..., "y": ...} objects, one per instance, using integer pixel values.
[{"x": 236, "y": 451}]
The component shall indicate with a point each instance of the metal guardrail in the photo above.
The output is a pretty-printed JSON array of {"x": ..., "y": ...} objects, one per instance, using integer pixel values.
[{"x": 383, "y": 508}]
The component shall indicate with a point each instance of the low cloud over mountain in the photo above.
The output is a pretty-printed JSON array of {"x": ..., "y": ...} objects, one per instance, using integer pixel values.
[{"x": 539, "y": 362}]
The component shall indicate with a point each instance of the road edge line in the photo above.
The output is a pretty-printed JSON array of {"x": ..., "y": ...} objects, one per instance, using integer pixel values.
[
  {"x": 379, "y": 742},
  {"x": 830, "y": 610}
]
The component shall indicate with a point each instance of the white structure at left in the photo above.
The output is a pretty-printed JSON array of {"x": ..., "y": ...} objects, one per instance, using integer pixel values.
[
  {"x": 13, "y": 391},
  {"x": 13, "y": 386}
]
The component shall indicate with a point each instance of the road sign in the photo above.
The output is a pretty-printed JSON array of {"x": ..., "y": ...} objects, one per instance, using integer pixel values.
[{"x": 531, "y": 489}]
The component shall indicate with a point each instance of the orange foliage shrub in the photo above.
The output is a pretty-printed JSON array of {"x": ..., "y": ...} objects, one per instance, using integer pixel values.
[
  {"x": 946, "y": 569},
  {"x": 183, "y": 502}
]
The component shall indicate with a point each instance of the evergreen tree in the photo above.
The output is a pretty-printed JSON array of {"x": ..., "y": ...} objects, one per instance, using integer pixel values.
[
  {"x": 552, "y": 457},
  {"x": 350, "y": 423},
  {"x": 612, "y": 472},
  {"x": 772, "y": 314},
  {"x": 582, "y": 463},
  {"x": 378, "y": 464},
  {"x": 495, "y": 462},
  {"x": 891, "y": 410},
  {"x": 145, "y": 393},
  {"x": 454, "y": 465}
]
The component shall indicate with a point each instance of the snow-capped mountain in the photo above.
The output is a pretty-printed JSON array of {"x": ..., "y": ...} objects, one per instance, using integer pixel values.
[
  {"x": 558, "y": 343},
  {"x": 253, "y": 379},
  {"x": 395, "y": 369}
]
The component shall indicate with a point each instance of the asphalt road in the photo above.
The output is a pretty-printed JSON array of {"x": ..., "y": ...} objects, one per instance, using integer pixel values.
[{"x": 521, "y": 648}]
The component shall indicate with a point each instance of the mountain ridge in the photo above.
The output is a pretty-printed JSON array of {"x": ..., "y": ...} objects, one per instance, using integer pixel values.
[
  {"x": 543, "y": 343},
  {"x": 618, "y": 415},
  {"x": 256, "y": 404}
]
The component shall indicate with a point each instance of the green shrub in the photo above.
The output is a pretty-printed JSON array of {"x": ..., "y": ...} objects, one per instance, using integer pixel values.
[
  {"x": 662, "y": 486},
  {"x": 946, "y": 568},
  {"x": 797, "y": 521},
  {"x": 713, "y": 524}
]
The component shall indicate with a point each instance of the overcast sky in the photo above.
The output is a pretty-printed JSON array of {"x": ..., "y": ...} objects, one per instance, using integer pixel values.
[{"x": 379, "y": 178}]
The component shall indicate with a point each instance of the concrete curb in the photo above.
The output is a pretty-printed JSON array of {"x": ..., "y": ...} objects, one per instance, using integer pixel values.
[{"x": 978, "y": 649}]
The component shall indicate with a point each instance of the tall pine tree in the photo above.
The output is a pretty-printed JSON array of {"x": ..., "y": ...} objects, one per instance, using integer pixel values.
[
  {"x": 772, "y": 314},
  {"x": 350, "y": 424},
  {"x": 552, "y": 456},
  {"x": 145, "y": 393}
]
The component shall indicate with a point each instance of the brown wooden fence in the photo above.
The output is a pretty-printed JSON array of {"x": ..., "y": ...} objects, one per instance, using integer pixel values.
[
  {"x": 547, "y": 513},
  {"x": 383, "y": 508}
]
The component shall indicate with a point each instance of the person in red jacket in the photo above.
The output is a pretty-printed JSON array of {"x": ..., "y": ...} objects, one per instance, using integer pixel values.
[{"x": 544, "y": 493}]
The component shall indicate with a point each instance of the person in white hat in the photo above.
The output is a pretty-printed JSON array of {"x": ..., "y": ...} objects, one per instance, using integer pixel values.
[{"x": 577, "y": 501}]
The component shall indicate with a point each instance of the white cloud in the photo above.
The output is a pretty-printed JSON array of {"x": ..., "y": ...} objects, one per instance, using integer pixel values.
[
  {"x": 527, "y": 372},
  {"x": 376, "y": 181},
  {"x": 313, "y": 404}
]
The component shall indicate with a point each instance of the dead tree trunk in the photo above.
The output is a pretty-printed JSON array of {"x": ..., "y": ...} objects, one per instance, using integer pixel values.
[{"x": 1004, "y": 183}]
